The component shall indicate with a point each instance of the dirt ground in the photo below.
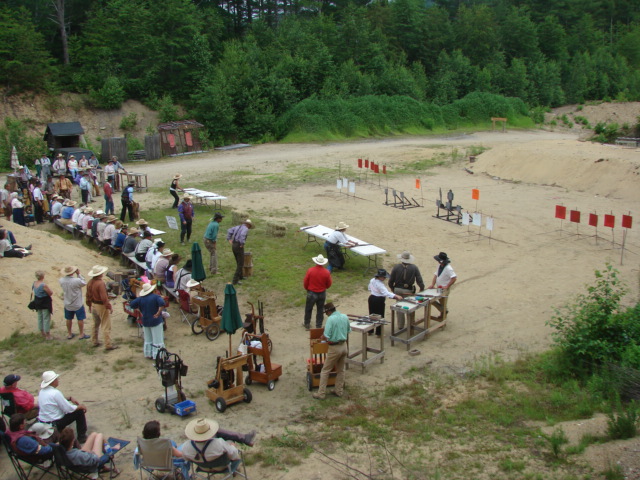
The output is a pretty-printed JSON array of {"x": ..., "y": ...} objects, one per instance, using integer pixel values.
[{"x": 510, "y": 279}]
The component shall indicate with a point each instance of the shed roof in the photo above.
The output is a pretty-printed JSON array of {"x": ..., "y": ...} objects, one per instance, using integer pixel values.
[
  {"x": 64, "y": 129},
  {"x": 181, "y": 123}
]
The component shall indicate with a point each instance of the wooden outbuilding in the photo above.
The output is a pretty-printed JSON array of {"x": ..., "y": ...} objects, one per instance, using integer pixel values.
[
  {"x": 63, "y": 135},
  {"x": 180, "y": 138}
]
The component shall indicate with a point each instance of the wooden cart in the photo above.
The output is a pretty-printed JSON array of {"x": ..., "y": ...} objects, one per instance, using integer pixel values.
[
  {"x": 317, "y": 357},
  {"x": 266, "y": 372},
  {"x": 209, "y": 318},
  {"x": 227, "y": 387}
]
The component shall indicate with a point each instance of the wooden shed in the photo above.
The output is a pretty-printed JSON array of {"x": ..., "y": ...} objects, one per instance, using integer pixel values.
[
  {"x": 63, "y": 135},
  {"x": 179, "y": 138}
]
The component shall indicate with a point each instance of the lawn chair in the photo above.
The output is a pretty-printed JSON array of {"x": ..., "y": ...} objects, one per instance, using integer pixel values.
[
  {"x": 7, "y": 405},
  {"x": 19, "y": 463},
  {"x": 155, "y": 457},
  {"x": 220, "y": 466},
  {"x": 72, "y": 472},
  {"x": 186, "y": 309}
]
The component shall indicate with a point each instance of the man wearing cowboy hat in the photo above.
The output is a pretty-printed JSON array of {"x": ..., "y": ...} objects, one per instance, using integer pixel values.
[
  {"x": 100, "y": 307},
  {"x": 56, "y": 206},
  {"x": 174, "y": 188},
  {"x": 210, "y": 239},
  {"x": 107, "y": 193},
  {"x": 444, "y": 277},
  {"x": 203, "y": 446},
  {"x": 58, "y": 410},
  {"x": 127, "y": 201},
  {"x": 336, "y": 333},
  {"x": 151, "y": 306},
  {"x": 73, "y": 306},
  {"x": 131, "y": 242},
  {"x": 403, "y": 278},
  {"x": 85, "y": 186},
  {"x": 162, "y": 265},
  {"x": 316, "y": 282},
  {"x": 64, "y": 187},
  {"x": 187, "y": 214},
  {"x": 334, "y": 244},
  {"x": 59, "y": 165},
  {"x": 379, "y": 294},
  {"x": 237, "y": 237}
]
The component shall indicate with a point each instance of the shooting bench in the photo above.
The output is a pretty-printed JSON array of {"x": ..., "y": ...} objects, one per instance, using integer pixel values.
[
  {"x": 416, "y": 327},
  {"x": 364, "y": 325}
]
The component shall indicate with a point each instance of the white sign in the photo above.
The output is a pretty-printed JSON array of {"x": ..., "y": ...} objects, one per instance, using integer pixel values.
[
  {"x": 339, "y": 184},
  {"x": 352, "y": 187},
  {"x": 172, "y": 222},
  {"x": 490, "y": 223},
  {"x": 477, "y": 219},
  {"x": 465, "y": 218}
]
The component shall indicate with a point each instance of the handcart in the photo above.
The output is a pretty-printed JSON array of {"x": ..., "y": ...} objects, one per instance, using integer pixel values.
[
  {"x": 265, "y": 372},
  {"x": 315, "y": 362},
  {"x": 171, "y": 370},
  {"x": 227, "y": 387},
  {"x": 253, "y": 323},
  {"x": 209, "y": 317}
]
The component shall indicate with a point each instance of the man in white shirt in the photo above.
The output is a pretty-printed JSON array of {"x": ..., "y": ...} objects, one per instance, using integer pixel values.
[
  {"x": 59, "y": 411},
  {"x": 204, "y": 447},
  {"x": 38, "y": 202},
  {"x": 56, "y": 207},
  {"x": 443, "y": 278}
]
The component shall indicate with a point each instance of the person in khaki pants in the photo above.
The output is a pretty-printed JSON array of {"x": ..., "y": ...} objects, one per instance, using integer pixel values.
[{"x": 99, "y": 305}]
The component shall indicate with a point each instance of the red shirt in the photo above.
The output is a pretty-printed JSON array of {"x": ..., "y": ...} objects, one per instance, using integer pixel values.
[
  {"x": 108, "y": 191},
  {"x": 24, "y": 400},
  {"x": 317, "y": 279}
]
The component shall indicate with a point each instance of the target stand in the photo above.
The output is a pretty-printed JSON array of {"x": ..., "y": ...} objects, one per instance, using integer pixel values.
[{"x": 399, "y": 200}]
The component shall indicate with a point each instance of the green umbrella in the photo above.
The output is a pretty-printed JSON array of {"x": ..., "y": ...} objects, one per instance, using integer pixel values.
[
  {"x": 231, "y": 318},
  {"x": 197, "y": 269}
]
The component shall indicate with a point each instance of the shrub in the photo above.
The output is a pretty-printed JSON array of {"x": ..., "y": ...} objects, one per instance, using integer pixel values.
[
  {"x": 129, "y": 122},
  {"x": 14, "y": 133},
  {"x": 110, "y": 96},
  {"x": 167, "y": 110},
  {"x": 623, "y": 423},
  {"x": 606, "y": 133}
]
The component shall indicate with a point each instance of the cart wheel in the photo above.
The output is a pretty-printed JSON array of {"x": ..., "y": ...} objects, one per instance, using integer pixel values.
[
  {"x": 309, "y": 382},
  {"x": 248, "y": 380},
  {"x": 247, "y": 395},
  {"x": 161, "y": 404},
  {"x": 270, "y": 345},
  {"x": 221, "y": 405},
  {"x": 271, "y": 385},
  {"x": 196, "y": 328},
  {"x": 212, "y": 332}
]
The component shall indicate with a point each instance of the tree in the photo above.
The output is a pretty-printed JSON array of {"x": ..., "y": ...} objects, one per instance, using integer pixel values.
[
  {"x": 476, "y": 34},
  {"x": 60, "y": 20}
]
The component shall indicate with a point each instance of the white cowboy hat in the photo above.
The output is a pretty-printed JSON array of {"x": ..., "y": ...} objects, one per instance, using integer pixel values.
[
  {"x": 98, "y": 270},
  {"x": 341, "y": 226},
  {"x": 47, "y": 378},
  {"x": 320, "y": 260},
  {"x": 142, "y": 221},
  {"x": 201, "y": 429},
  {"x": 68, "y": 270},
  {"x": 147, "y": 288},
  {"x": 249, "y": 223},
  {"x": 187, "y": 197},
  {"x": 177, "y": 176},
  {"x": 406, "y": 257},
  {"x": 133, "y": 231},
  {"x": 192, "y": 283},
  {"x": 42, "y": 430},
  {"x": 167, "y": 252}
]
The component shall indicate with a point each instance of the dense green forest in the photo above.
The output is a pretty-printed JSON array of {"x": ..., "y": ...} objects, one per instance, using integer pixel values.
[{"x": 247, "y": 67}]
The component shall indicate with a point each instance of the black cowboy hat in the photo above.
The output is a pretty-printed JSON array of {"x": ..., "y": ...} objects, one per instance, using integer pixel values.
[{"x": 441, "y": 257}]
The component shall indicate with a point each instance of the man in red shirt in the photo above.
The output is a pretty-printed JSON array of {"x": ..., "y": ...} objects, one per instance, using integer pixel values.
[
  {"x": 108, "y": 198},
  {"x": 25, "y": 403},
  {"x": 316, "y": 282}
]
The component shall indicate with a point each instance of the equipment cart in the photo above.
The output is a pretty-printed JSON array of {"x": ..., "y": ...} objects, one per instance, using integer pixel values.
[
  {"x": 171, "y": 370},
  {"x": 253, "y": 323},
  {"x": 315, "y": 362},
  {"x": 266, "y": 372},
  {"x": 227, "y": 387},
  {"x": 209, "y": 317}
]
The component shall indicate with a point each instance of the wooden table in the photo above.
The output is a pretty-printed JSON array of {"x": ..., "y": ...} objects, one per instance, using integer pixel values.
[
  {"x": 361, "y": 357},
  {"x": 140, "y": 180},
  {"x": 416, "y": 326}
]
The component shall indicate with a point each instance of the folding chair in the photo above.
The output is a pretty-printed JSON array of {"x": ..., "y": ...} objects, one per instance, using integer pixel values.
[
  {"x": 155, "y": 456},
  {"x": 219, "y": 466},
  {"x": 7, "y": 405},
  {"x": 185, "y": 307},
  {"x": 69, "y": 471},
  {"x": 19, "y": 462}
]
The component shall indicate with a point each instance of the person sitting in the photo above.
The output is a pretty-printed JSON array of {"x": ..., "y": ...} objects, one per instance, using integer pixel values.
[
  {"x": 154, "y": 253},
  {"x": 17, "y": 209},
  {"x": 102, "y": 225},
  {"x": 150, "y": 431},
  {"x": 25, "y": 402},
  {"x": 193, "y": 288},
  {"x": 72, "y": 166},
  {"x": 162, "y": 265},
  {"x": 97, "y": 219},
  {"x": 28, "y": 444},
  {"x": 170, "y": 275},
  {"x": 86, "y": 219},
  {"x": 77, "y": 212},
  {"x": 120, "y": 235},
  {"x": 143, "y": 247},
  {"x": 8, "y": 250},
  {"x": 60, "y": 166},
  {"x": 56, "y": 207},
  {"x": 204, "y": 447},
  {"x": 58, "y": 410},
  {"x": 131, "y": 242},
  {"x": 67, "y": 212},
  {"x": 143, "y": 226},
  {"x": 90, "y": 457},
  {"x": 108, "y": 231}
]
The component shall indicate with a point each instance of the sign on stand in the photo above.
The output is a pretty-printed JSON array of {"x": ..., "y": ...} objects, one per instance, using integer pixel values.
[{"x": 172, "y": 222}]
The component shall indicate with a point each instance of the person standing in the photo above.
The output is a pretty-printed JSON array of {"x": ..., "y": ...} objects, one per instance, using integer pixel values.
[
  {"x": 379, "y": 294},
  {"x": 334, "y": 244},
  {"x": 127, "y": 202},
  {"x": 17, "y": 209},
  {"x": 5, "y": 202},
  {"x": 237, "y": 237},
  {"x": 60, "y": 166},
  {"x": 444, "y": 277},
  {"x": 110, "y": 172},
  {"x": 174, "y": 188},
  {"x": 72, "y": 166},
  {"x": 85, "y": 187},
  {"x": 336, "y": 333},
  {"x": 42, "y": 295},
  {"x": 73, "y": 306},
  {"x": 316, "y": 282},
  {"x": 403, "y": 279},
  {"x": 107, "y": 188},
  {"x": 64, "y": 187},
  {"x": 38, "y": 202},
  {"x": 210, "y": 241},
  {"x": 151, "y": 306},
  {"x": 186, "y": 212},
  {"x": 45, "y": 164},
  {"x": 100, "y": 307},
  {"x": 117, "y": 166}
]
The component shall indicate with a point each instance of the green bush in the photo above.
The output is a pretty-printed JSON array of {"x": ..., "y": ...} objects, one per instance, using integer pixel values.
[
  {"x": 14, "y": 133},
  {"x": 623, "y": 423},
  {"x": 606, "y": 133},
  {"x": 167, "y": 110},
  {"x": 110, "y": 96},
  {"x": 129, "y": 122}
]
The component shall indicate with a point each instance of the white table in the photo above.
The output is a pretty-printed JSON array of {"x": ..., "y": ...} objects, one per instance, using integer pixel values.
[
  {"x": 203, "y": 197},
  {"x": 361, "y": 357},
  {"x": 315, "y": 232}
]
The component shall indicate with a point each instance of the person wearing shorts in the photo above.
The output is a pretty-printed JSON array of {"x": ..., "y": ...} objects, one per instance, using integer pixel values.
[{"x": 73, "y": 304}]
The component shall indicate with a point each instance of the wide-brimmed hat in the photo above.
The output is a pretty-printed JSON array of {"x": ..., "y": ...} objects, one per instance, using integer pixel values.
[
  {"x": 11, "y": 379},
  {"x": 98, "y": 270},
  {"x": 329, "y": 306},
  {"x": 47, "y": 378},
  {"x": 99, "y": 212},
  {"x": 382, "y": 273},
  {"x": 132, "y": 183},
  {"x": 186, "y": 197},
  {"x": 71, "y": 203},
  {"x": 133, "y": 231},
  {"x": 118, "y": 224},
  {"x": 192, "y": 283},
  {"x": 249, "y": 223},
  {"x": 60, "y": 155},
  {"x": 217, "y": 216},
  {"x": 71, "y": 156},
  {"x": 341, "y": 226},
  {"x": 177, "y": 176},
  {"x": 68, "y": 270},
  {"x": 110, "y": 218},
  {"x": 147, "y": 288},
  {"x": 441, "y": 257},
  {"x": 42, "y": 430},
  {"x": 406, "y": 257},
  {"x": 320, "y": 260},
  {"x": 201, "y": 429},
  {"x": 88, "y": 210},
  {"x": 142, "y": 221},
  {"x": 167, "y": 252}
]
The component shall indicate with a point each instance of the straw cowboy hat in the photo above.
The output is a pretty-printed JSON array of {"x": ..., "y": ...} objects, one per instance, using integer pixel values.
[
  {"x": 88, "y": 210},
  {"x": 201, "y": 429},
  {"x": 177, "y": 176},
  {"x": 187, "y": 197},
  {"x": 42, "y": 430},
  {"x": 110, "y": 219},
  {"x": 68, "y": 270},
  {"x": 167, "y": 252},
  {"x": 341, "y": 226},
  {"x": 98, "y": 270},
  {"x": 60, "y": 155},
  {"x": 320, "y": 260},
  {"x": 147, "y": 288},
  {"x": 249, "y": 223},
  {"x": 192, "y": 283},
  {"x": 118, "y": 224},
  {"x": 71, "y": 203},
  {"x": 47, "y": 378},
  {"x": 406, "y": 257},
  {"x": 133, "y": 231},
  {"x": 142, "y": 221}
]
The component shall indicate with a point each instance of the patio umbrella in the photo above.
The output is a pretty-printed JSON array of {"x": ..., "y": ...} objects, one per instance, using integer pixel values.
[
  {"x": 231, "y": 318},
  {"x": 197, "y": 269},
  {"x": 15, "y": 163}
]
